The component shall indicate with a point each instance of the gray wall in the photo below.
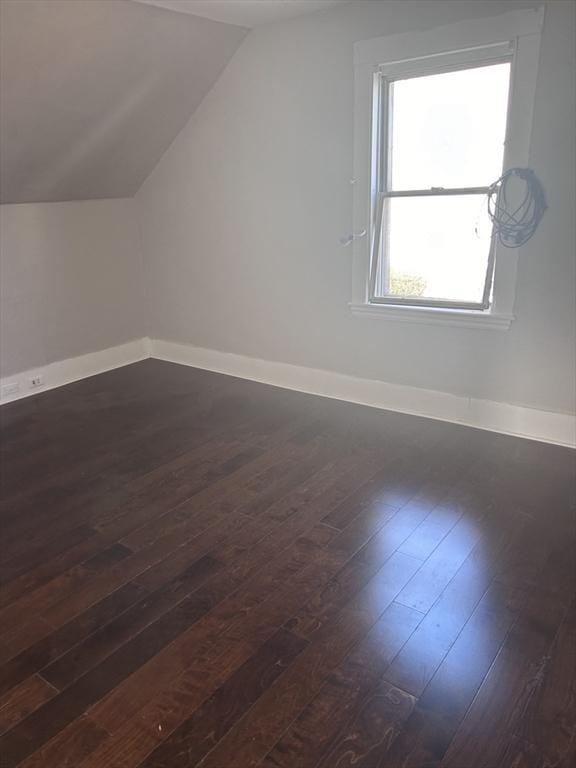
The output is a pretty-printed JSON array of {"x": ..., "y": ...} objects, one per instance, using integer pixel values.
[
  {"x": 71, "y": 281},
  {"x": 242, "y": 216}
]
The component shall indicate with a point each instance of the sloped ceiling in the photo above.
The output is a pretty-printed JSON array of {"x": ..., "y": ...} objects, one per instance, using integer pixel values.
[
  {"x": 92, "y": 92},
  {"x": 246, "y": 13}
]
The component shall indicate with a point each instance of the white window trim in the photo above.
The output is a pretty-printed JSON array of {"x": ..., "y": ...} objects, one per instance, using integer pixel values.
[{"x": 519, "y": 29}]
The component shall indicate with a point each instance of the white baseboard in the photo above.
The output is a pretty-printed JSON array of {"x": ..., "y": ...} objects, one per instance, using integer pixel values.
[
  {"x": 66, "y": 371},
  {"x": 545, "y": 426}
]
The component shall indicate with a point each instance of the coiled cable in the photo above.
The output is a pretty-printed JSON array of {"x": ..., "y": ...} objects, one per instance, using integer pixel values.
[{"x": 515, "y": 226}]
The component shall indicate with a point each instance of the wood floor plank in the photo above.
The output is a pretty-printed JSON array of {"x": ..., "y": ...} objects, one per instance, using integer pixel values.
[
  {"x": 358, "y": 571},
  {"x": 316, "y": 729},
  {"x": 246, "y": 745},
  {"x": 57, "y": 506},
  {"x": 237, "y": 499},
  {"x": 69, "y": 747},
  {"x": 210, "y": 632},
  {"x": 366, "y": 741},
  {"x": 431, "y": 532},
  {"x": 427, "y": 733},
  {"x": 510, "y": 686},
  {"x": 124, "y": 749},
  {"x": 22, "y": 634},
  {"x": 549, "y": 722},
  {"x": 45, "y": 722},
  {"x": 11, "y": 569},
  {"x": 175, "y": 438},
  {"x": 104, "y": 641},
  {"x": 415, "y": 665},
  {"x": 50, "y": 569},
  {"x": 216, "y": 572},
  {"x": 335, "y": 483},
  {"x": 91, "y": 590},
  {"x": 57, "y": 643},
  {"x": 20, "y": 701},
  {"x": 195, "y": 737},
  {"x": 441, "y": 566}
]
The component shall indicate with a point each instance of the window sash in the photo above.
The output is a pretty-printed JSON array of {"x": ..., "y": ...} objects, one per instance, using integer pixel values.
[
  {"x": 380, "y": 256},
  {"x": 382, "y": 121}
]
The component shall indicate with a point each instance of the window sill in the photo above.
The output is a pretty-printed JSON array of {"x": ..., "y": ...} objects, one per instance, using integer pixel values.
[{"x": 463, "y": 318}]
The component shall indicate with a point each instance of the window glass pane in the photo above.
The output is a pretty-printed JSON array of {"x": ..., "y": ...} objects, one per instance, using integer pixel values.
[
  {"x": 437, "y": 248},
  {"x": 448, "y": 129}
]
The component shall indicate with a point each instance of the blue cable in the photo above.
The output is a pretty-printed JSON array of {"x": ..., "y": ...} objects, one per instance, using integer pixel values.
[{"x": 516, "y": 227}]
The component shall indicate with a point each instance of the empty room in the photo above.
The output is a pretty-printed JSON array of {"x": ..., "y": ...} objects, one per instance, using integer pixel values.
[{"x": 288, "y": 383}]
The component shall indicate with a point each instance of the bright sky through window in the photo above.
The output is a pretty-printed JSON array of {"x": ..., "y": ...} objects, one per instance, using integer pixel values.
[{"x": 447, "y": 131}]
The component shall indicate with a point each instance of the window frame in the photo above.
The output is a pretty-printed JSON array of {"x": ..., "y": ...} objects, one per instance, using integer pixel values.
[
  {"x": 382, "y": 147},
  {"x": 513, "y": 37}
]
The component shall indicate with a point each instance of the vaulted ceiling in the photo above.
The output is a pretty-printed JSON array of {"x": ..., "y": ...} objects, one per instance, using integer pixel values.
[
  {"x": 246, "y": 13},
  {"x": 92, "y": 92}
]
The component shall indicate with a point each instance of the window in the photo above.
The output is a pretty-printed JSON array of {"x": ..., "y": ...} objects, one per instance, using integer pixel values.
[
  {"x": 443, "y": 146},
  {"x": 435, "y": 126}
]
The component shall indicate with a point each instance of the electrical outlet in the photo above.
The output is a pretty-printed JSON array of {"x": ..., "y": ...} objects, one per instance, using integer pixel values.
[
  {"x": 36, "y": 381},
  {"x": 10, "y": 389}
]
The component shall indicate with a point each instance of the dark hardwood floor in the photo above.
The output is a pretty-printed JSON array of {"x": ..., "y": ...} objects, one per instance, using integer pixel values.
[{"x": 199, "y": 570}]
